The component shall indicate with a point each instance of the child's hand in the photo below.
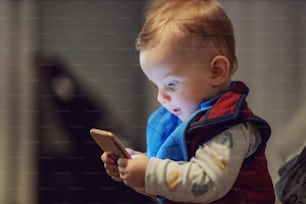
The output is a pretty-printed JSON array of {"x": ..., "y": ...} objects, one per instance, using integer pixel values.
[
  {"x": 132, "y": 171},
  {"x": 110, "y": 164},
  {"x": 134, "y": 153}
]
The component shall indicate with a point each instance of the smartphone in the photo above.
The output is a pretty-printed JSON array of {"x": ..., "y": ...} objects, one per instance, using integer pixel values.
[{"x": 109, "y": 142}]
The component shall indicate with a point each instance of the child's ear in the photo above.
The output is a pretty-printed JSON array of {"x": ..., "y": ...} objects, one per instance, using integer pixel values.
[{"x": 220, "y": 69}]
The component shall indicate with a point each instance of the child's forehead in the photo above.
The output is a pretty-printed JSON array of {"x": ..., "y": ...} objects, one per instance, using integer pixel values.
[
  {"x": 188, "y": 50},
  {"x": 165, "y": 54},
  {"x": 167, "y": 51}
]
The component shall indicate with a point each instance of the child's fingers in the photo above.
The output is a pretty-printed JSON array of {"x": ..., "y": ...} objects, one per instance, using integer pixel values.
[
  {"x": 108, "y": 157},
  {"x": 129, "y": 150},
  {"x": 113, "y": 174},
  {"x": 118, "y": 179},
  {"x": 112, "y": 170},
  {"x": 111, "y": 167},
  {"x": 133, "y": 152},
  {"x": 122, "y": 162}
]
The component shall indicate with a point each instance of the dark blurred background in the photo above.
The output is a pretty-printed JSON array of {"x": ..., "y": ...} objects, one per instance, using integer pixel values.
[
  {"x": 70, "y": 65},
  {"x": 88, "y": 69}
]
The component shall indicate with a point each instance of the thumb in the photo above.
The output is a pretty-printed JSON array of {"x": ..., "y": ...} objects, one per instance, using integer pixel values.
[{"x": 122, "y": 162}]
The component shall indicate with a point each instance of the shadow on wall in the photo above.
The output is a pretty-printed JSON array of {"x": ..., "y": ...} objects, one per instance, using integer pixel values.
[{"x": 70, "y": 170}]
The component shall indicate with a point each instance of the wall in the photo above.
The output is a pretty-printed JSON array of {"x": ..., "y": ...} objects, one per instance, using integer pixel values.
[
  {"x": 96, "y": 40},
  {"x": 271, "y": 49}
]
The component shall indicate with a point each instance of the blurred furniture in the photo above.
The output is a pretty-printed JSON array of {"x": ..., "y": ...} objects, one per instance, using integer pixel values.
[{"x": 69, "y": 166}]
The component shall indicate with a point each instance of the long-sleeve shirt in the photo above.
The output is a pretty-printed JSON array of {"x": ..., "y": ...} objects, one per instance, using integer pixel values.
[{"x": 210, "y": 174}]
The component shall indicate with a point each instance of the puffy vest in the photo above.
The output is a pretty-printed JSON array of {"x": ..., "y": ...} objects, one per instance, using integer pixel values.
[{"x": 168, "y": 139}]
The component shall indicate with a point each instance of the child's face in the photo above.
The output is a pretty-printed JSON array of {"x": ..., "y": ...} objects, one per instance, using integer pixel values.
[{"x": 182, "y": 81}]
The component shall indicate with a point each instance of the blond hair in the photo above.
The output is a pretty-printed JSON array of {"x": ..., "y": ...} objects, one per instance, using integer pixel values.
[{"x": 199, "y": 24}]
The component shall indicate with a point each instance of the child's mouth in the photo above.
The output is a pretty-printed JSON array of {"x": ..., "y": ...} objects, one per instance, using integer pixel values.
[{"x": 177, "y": 111}]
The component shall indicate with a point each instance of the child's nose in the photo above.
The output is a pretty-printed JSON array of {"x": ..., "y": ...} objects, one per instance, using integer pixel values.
[{"x": 163, "y": 98}]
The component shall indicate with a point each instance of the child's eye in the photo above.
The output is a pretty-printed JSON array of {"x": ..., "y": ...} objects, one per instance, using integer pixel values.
[{"x": 172, "y": 84}]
